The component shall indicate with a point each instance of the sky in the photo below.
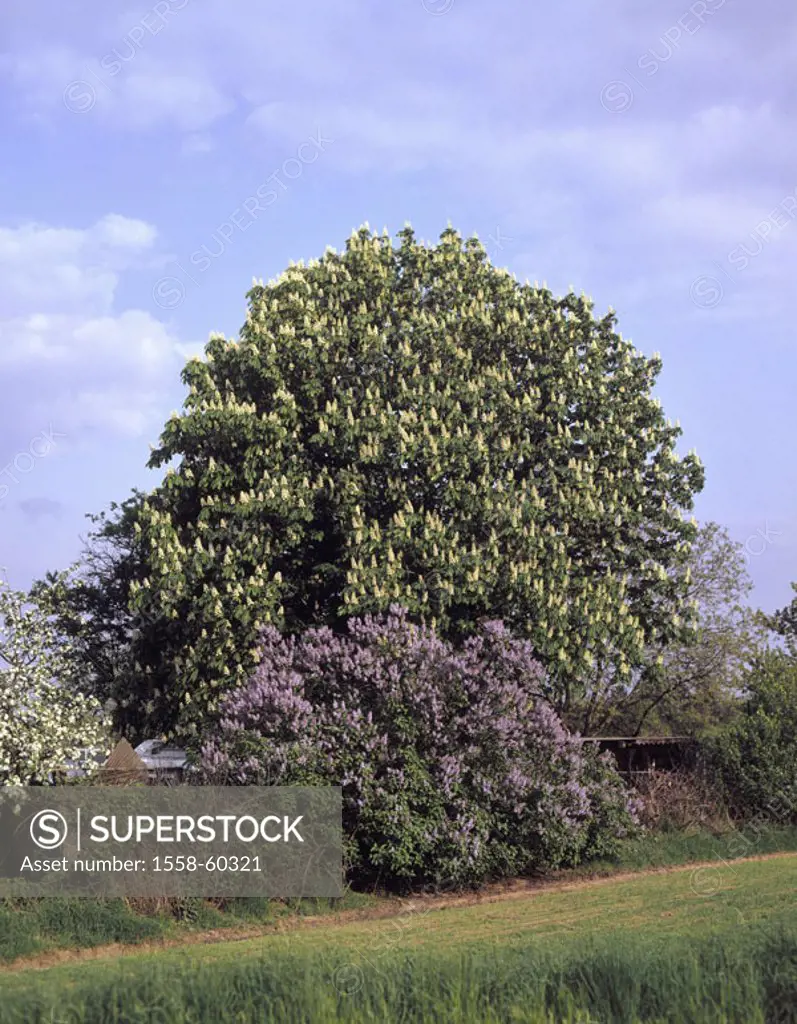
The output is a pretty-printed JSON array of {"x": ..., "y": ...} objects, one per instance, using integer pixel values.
[{"x": 157, "y": 159}]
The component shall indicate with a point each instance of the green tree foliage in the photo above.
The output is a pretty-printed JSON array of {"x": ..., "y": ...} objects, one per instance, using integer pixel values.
[
  {"x": 755, "y": 759},
  {"x": 784, "y": 623},
  {"x": 410, "y": 424},
  {"x": 89, "y": 603},
  {"x": 693, "y": 687}
]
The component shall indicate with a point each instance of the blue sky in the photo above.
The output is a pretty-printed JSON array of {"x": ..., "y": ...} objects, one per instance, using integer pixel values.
[{"x": 157, "y": 158}]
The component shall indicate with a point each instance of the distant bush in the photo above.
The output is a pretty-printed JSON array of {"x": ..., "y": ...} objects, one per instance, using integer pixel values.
[
  {"x": 682, "y": 800},
  {"x": 452, "y": 767},
  {"x": 754, "y": 761}
]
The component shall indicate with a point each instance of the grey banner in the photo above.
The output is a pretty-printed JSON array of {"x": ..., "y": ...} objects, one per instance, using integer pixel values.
[{"x": 171, "y": 841}]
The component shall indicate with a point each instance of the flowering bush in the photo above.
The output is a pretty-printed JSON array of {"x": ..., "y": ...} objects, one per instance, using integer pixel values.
[
  {"x": 451, "y": 766},
  {"x": 45, "y": 722}
]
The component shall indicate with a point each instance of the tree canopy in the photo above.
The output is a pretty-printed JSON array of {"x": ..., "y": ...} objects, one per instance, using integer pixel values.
[
  {"x": 45, "y": 720},
  {"x": 784, "y": 623},
  {"x": 693, "y": 687},
  {"x": 407, "y": 423}
]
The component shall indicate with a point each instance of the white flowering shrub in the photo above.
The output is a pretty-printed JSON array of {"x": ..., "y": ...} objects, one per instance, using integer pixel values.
[{"x": 46, "y": 723}]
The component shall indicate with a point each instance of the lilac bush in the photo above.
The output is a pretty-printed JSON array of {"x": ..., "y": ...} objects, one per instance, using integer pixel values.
[{"x": 453, "y": 767}]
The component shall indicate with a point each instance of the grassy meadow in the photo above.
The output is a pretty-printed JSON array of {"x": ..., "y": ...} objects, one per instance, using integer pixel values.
[
  {"x": 716, "y": 944},
  {"x": 34, "y": 927}
]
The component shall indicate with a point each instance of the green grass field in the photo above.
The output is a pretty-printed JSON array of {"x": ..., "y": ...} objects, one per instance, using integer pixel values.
[
  {"x": 717, "y": 945},
  {"x": 35, "y": 926}
]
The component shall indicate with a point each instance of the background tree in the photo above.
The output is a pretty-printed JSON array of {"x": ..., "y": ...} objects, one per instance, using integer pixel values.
[
  {"x": 754, "y": 760},
  {"x": 90, "y": 601},
  {"x": 410, "y": 424},
  {"x": 693, "y": 687},
  {"x": 45, "y": 721},
  {"x": 784, "y": 623},
  {"x": 89, "y": 606}
]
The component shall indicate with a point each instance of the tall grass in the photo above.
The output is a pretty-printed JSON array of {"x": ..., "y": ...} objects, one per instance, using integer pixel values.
[
  {"x": 747, "y": 976},
  {"x": 29, "y": 926},
  {"x": 671, "y": 847},
  {"x": 32, "y": 926}
]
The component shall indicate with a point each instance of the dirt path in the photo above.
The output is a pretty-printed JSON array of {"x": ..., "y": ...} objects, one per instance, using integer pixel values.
[{"x": 498, "y": 892}]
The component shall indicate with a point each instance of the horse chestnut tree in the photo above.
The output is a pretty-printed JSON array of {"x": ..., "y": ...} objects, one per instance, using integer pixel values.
[{"x": 408, "y": 423}]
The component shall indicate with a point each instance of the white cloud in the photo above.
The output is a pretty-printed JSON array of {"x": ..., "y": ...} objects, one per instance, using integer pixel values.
[
  {"x": 66, "y": 355},
  {"x": 124, "y": 232},
  {"x": 499, "y": 107},
  {"x": 722, "y": 218},
  {"x": 111, "y": 411},
  {"x": 189, "y": 102},
  {"x": 145, "y": 94},
  {"x": 44, "y": 268},
  {"x": 133, "y": 341}
]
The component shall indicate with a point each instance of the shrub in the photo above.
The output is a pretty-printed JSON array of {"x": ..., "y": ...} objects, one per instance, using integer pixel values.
[
  {"x": 755, "y": 759},
  {"x": 452, "y": 766},
  {"x": 680, "y": 800}
]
